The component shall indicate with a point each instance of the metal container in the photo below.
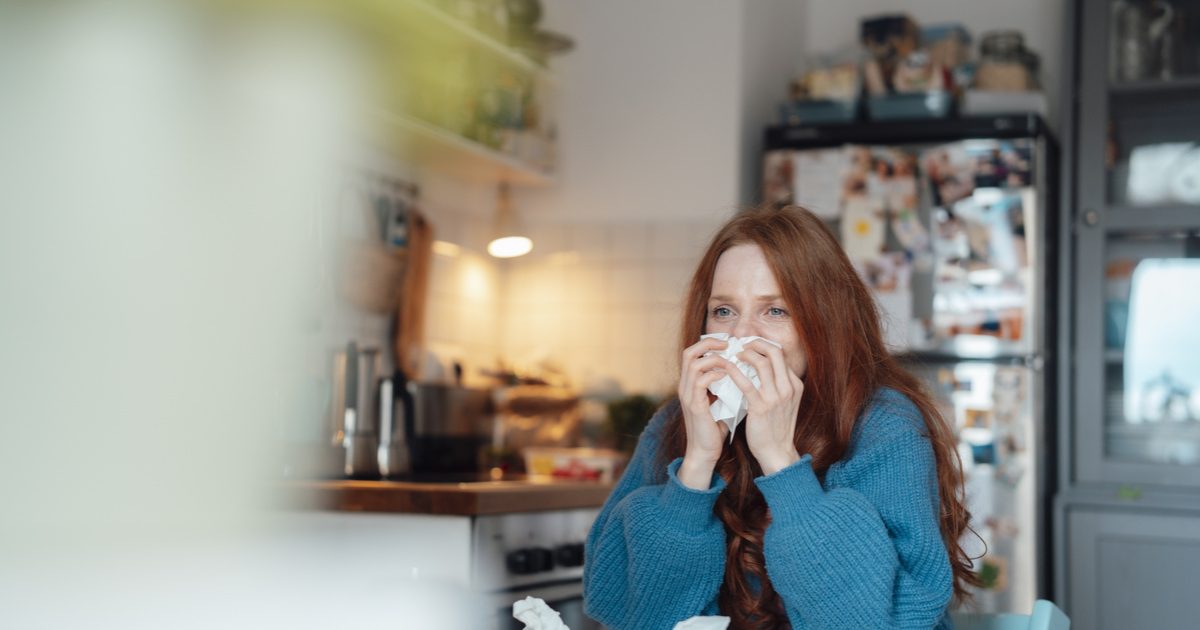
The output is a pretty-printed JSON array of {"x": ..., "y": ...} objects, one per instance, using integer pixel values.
[
  {"x": 395, "y": 410},
  {"x": 355, "y": 416},
  {"x": 449, "y": 427}
]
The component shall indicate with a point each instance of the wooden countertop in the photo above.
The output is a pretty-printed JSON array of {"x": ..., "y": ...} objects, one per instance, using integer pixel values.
[{"x": 449, "y": 498}]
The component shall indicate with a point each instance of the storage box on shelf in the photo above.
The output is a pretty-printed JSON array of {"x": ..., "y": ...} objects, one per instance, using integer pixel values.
[{"x": 931, "y": 104}]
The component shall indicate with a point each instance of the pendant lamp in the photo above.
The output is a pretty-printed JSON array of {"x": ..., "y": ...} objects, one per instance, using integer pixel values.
[{"x": 508, "y": 239}]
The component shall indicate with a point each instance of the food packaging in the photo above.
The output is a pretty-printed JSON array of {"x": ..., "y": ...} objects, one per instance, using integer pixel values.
[{"x": 578, "y": 464}]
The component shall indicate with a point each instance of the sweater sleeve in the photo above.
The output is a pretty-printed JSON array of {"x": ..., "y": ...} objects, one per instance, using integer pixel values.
[
  {"x": 656, "y": 553},
  {"x": 867, "y": 553}
]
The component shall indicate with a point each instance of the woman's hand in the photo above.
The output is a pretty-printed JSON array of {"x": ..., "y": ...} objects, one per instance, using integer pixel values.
[
  {"x": 705, "y": 437},
  {"x": 770, "y": 423}
]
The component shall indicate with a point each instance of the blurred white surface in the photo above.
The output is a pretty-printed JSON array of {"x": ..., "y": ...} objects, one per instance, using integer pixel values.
[{"x": 162, "y": 183}]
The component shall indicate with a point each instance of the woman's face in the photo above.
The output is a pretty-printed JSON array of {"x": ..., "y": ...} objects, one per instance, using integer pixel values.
[{"x": 746, "y": 301}]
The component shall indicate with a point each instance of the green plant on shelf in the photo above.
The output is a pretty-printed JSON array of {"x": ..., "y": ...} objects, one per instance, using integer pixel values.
[{"x": 627, "y": 417}]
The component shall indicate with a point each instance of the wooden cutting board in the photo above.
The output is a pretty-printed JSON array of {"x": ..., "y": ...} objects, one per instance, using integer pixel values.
[{"x": 409, "y": 336}]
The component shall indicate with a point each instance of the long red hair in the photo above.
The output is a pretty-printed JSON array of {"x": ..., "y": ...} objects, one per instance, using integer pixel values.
[{"x": 838, "y": 325}]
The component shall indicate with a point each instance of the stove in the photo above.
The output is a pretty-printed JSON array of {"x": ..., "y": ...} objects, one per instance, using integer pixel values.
[
  {"x": 500, "y": 538},
  {"x": 537, "y": 554},
  {"x": 518, "y": 550}
]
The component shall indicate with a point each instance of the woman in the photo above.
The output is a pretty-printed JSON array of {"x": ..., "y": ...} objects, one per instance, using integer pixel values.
[{"x": 838, "y": 502}]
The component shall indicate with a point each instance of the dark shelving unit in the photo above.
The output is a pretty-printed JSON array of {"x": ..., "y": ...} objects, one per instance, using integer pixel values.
[{"x": 1127, "y": 511}]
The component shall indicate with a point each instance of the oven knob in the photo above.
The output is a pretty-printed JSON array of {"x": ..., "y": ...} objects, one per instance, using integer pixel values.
[
  {"x": 519, "y": 562},
  {"x": 542, "y": 559},
  {"x": 569, "y": 555}
]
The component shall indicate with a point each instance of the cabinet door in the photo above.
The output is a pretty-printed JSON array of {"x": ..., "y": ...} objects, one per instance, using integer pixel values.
[
  {"x": 1137, "y": 360},
  {"x": 1130, "y": 570}
]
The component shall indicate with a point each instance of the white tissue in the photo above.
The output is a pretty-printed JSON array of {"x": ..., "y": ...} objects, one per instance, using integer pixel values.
[
  {"x": 703, "y": 623},
  {"x": 537, "y": 615},
  {"x": 730, "y": 406}
]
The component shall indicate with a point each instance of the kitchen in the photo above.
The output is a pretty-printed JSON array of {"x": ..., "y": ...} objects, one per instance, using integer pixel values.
[{"x": 221, "y": 255}]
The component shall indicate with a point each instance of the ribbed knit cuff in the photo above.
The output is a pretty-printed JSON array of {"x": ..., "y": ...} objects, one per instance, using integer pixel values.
[
  {"x": 792, "y": 490},
  {"x": 691, "y": 509}
]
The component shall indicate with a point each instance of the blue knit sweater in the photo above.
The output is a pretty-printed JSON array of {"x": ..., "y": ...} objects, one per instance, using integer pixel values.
[{"x": 863, "y": 550}]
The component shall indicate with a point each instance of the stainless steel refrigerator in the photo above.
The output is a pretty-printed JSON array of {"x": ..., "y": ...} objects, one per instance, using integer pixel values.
[{"x": 947, "y": 221}]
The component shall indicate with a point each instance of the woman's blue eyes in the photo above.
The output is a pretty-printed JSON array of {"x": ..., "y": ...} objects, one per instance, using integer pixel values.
[{"x": 725, "y": 311}]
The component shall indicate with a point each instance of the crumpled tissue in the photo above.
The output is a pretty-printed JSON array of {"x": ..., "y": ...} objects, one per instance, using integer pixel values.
[
  {"x": 730, "y": 406},
  {"x": 536, "y": 614},
  {"x": 703, "y": 623}
]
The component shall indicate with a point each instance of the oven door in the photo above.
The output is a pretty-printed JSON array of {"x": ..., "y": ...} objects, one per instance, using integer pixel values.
[{"x": 566, "y": 597}]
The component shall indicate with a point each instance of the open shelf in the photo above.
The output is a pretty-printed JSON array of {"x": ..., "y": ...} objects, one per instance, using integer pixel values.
[
  {"x": 1151, "y": 218},
  {"x": 1156, "y": 87},
  {"x": 440, "y": 149},
  {"x": 428, "y": 13}
]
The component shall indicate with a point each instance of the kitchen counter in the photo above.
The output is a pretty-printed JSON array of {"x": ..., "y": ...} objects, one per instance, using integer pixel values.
[{"x": 462, "y": 498}]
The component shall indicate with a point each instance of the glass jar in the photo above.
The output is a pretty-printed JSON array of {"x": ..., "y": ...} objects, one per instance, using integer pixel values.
[
  {"x": 1005, "y": 63},
  {"x": 1002, "y": 47}
]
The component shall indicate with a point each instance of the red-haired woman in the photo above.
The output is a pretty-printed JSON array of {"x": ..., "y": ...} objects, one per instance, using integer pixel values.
[{"x": 838, "y": 501}]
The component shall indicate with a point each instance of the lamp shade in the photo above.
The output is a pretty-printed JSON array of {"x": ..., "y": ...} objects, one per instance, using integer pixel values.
[{"x": 508, "y": 237}]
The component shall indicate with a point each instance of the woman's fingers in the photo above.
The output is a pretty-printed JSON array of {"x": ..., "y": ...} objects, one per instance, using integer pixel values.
[
  {"x": 701, "y": 366},
  {"x": 766, "y": 374},
  {"x": 693, "y": 362},
  {"x": 706, "y": 439},
  {"x": 708, "y": 378},
  {"x": 703, "y": 375},
  {"x": 700, "y": 348},
  {"x": 753, "y": 396},
  {"x": 784, "y": 378}
]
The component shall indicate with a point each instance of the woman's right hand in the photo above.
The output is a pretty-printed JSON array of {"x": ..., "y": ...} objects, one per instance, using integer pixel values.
[{"x": 705, "y": 437}]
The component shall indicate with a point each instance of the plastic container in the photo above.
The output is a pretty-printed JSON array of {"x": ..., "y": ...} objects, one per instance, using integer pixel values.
[
  {"x": 934, "y": 104},
  {"x": 949, "y": 44},
  {"x": 579, "y": 464},
  {"x": 817, "y": 112}
]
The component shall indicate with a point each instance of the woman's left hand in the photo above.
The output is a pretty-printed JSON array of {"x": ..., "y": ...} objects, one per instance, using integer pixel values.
[{"x": 771, "y": 416}]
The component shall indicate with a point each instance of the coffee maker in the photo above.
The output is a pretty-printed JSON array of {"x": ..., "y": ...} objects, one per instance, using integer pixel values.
[{"x": 358, "y": 410}]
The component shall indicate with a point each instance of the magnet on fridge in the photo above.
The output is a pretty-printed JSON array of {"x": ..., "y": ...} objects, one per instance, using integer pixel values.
[
  {"x": 977, "y": 418},
  {"x": 863, "y": 227},
  {"x": 984, "y": 453},
  {"x": 1010, "y": 472},
  {"x": 993, "y": 572},
  {"x": 1002, "y": 526}
]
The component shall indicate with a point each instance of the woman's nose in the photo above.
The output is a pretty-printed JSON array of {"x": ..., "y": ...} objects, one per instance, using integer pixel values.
[{"x": 744, "y": 328}]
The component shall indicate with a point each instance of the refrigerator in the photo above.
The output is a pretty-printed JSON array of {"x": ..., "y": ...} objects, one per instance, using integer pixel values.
[{"x": 948, "y": 222}]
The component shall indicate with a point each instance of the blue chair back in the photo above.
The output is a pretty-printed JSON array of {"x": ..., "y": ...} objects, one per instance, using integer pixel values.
[{"x": 1045, "y": 616}]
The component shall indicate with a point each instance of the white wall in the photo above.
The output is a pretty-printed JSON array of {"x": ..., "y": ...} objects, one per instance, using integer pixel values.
[
  {"x": 662, "y": 110},
  {"x": 773, "y": 34},
  {"x": 831, "y": 24},
  {"x": 648, "y": 111}
]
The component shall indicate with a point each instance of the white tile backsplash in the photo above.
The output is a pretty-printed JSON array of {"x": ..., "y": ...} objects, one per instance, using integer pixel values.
[
  {"x": 589, "y": 284},
  {"x": 669, "y": 282},
  {"x": 591, "y": 241},
  {"x": 601, "y": 300},
  {"x": 475, "y": 234},
  {"x": 614, "y": 311},
  {"x": 629, "y": 283},
  {"x": 626, "y": 330},
  {"x": 673, "y": 241},
  {"x": 548, "y": 239}
]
